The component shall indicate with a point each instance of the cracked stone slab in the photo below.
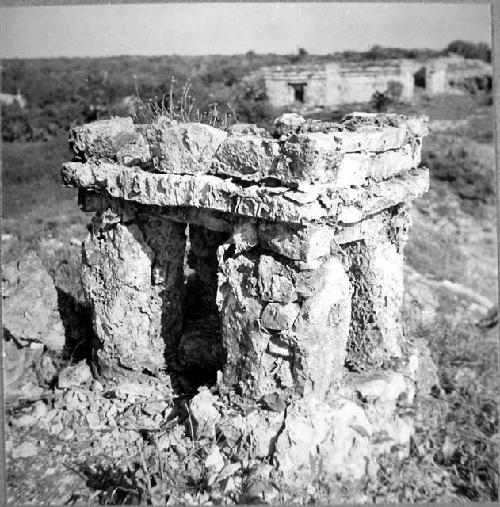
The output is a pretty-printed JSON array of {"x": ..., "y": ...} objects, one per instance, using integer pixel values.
[{"x": 209, "y": 192}]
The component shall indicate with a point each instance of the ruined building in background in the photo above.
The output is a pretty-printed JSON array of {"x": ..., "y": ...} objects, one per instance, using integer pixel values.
[
  {"x": 9, "y": 99},
  {"x": 274, "y": 260},
  {"x": 335, "y": 83},
  {"x": 456, "y": 74}
]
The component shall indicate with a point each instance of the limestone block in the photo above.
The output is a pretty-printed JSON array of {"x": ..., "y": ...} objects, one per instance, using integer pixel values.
[
  {"x": 74, "y": 375},
  {"x": 102, "y": 139},
  {"x": 376, "y": 226},
  {"x": 134, "y": 153},
  {"x": 133, "y": 280},
  {"x": 375, "y": 132},
  {"x": 247, "y": 157},
  {"x": 358, "y": 169},
  {"x": 204, "y": 414},
  {"x": 279, "y": 316},
  {"x": 331, "y": 439},
  {"x": 300, "y": 243},
  {"x": 182, "y": 148},
  {"x": 312, "y": 156},
  {"x": 30, "y": 311},
  {"x": 245, "y": 236},
  {"x": 275, "y": 281},
  {"x": 287, "y": 123}
]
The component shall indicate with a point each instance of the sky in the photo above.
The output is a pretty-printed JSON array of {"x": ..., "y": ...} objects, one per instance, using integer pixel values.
[{"x": 231, "y": 28}]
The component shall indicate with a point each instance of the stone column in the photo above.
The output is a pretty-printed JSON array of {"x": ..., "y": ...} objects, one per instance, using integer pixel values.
[
  {"x": 376, "y": 273},
  {"x": 133, "y": 278},
  {"x": 285, "y": 309}
]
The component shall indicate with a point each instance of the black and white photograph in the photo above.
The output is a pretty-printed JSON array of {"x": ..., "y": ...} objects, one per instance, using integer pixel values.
[{"x": 249, "y": 253}]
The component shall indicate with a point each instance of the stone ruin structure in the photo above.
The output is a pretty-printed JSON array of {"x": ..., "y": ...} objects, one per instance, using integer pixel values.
[
  {"x": 336, "y": 83},
  {"x": 456, "y": 74},
  {"x": 295, "y": 245}
]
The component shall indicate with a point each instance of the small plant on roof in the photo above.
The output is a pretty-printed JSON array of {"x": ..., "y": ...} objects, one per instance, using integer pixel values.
[{"x": 181, "y": 107}]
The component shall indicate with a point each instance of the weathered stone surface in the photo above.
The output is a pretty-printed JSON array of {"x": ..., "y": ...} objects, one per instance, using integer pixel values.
[
  {"x": 240, "y": 309},
  {"x": 382, "y": 392},
  {"x": 182, "y": 148},
  {"x": 310, "y": 158},
  {"x": 376, "y": 226},
  {"x": 317, "y": 436},
  {"x": 321, "y": 331},
  {"x": 279, "y": 316},
  {"x": 245, "y": 236},
  {"x": 247, "y": 157},
  {"x": 74, "y": 375},
  {"x": 287, "y": 123},
  {"x": 275, "y": 281},
  {"x": 315, "y": 158},
  {"x": 204, "y": 414},
  {"x": 376, "y": 274},
  {"x": 29, "y": 304},
  {"x": 382, "y": 385},
  {"x": 133, "y": 280},
  {"x": 135, "y": 153},
  {"x": 103, "y": 139},
  {"x": 359, "y": 169},
  {"x": 259, "y": 429},
  {"x": 216, "y": 194},
  {"x": 299, "y": 243}
]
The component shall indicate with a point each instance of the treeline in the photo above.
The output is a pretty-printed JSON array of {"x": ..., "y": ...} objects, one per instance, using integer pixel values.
[{"x": 63, "y": 92}]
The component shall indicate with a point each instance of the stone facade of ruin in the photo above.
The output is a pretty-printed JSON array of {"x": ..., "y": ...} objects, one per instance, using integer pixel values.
[
  {"x": 276, "y": 260},
  {"x": 333, "y": 84},
  {"x": 450, "y": 74}
]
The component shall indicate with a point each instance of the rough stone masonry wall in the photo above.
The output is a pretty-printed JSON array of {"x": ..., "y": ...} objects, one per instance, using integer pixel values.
[{"x": 291, "y": 283}]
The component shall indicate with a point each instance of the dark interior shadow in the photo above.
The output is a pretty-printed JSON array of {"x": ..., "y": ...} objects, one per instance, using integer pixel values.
[{"x": 77, "y": 321}]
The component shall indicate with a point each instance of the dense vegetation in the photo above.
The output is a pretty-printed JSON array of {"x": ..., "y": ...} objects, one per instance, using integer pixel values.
[{"x": 62, "y": 92}]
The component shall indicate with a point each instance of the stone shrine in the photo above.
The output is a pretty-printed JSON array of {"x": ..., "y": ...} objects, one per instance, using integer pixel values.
[{"x": 295, "y": 241}]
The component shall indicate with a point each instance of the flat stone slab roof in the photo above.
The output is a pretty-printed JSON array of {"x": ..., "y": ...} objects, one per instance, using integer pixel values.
[{"x": 311, "y": 172}]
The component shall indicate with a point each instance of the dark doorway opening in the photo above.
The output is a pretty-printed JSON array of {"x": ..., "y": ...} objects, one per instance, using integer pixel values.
[
  {"x": 298, "y": 89},
  {"x": 419, "y": 78}
]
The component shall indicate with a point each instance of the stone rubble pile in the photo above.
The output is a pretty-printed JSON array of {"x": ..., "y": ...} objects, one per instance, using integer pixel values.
[{"x": 277, "y": 260}]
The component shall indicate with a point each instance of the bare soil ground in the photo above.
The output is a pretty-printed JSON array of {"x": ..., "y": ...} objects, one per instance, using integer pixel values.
[{"x": 71, "y": 451}]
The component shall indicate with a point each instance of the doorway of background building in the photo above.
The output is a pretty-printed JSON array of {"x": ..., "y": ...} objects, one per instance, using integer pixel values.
[{"x": 298, "y": 90}]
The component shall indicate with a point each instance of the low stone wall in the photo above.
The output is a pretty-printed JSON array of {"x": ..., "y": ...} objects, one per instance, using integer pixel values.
[{"x": 277, "y": 260}]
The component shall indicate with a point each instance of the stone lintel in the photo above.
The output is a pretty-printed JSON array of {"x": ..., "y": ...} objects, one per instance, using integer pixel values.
[{"x": 279, "y": 204}]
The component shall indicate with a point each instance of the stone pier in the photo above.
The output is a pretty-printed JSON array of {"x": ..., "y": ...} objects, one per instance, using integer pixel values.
[{"x": 277, "y": 259}]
